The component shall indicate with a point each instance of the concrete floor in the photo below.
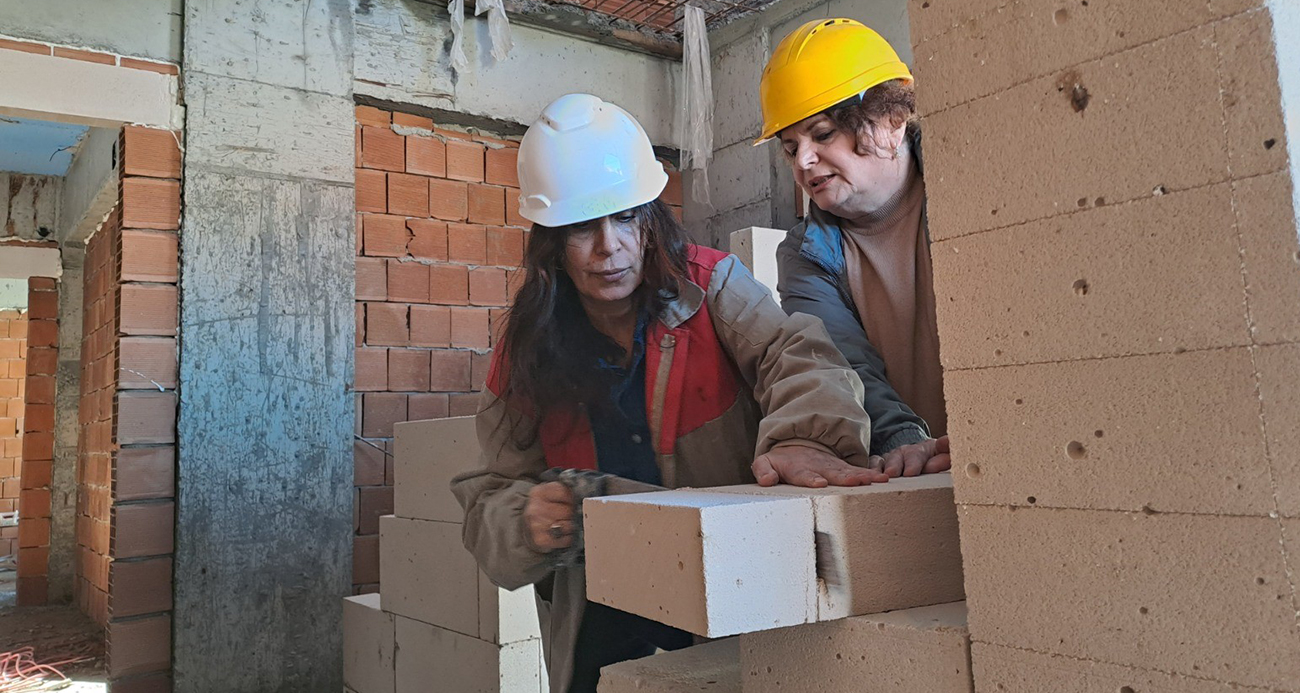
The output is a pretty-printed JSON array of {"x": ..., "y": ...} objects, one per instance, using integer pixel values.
[{"x": 57, "y": 634}]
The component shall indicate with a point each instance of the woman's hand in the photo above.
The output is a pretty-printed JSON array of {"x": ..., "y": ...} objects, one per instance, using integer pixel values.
[
  {"x": 925, "y": 457},
  {"x": 798, "y": 465},
  {"x": 549, "y": 516}
]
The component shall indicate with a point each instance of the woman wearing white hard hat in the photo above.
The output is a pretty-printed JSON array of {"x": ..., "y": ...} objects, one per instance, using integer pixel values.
[
  {"x": 842, "y": 105},
  {"x": 633, "y": 360}
]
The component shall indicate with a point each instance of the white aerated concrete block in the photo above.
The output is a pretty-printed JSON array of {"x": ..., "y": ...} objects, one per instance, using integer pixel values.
[
  {"x": 427, "y": 574},
  {"x": 507, "y": 616},
  {"x": 367, "y": 645},
  {"x": 713, "y": 667},
  {"x": 895, "y": 545},
  {"x": 756, "y": 248},
  {"x": 430, "y": 658},
  {"x": 427, "y": 454},
  {"x": 923, "y": 650},
  {"x": 713, "y": 564}
]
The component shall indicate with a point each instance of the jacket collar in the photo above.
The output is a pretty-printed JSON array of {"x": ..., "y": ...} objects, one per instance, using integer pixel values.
[{"x": 683, "y": 307}]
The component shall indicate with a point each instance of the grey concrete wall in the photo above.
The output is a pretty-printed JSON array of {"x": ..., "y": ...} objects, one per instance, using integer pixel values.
[
  {"x": 90, "y": 186},
  {"x": 140, "y": 28},
  {"x": 753, "y": 186},
  {"x": 28, "y": 204},
  {"x": 264, "y": 494},
  {"x": 67, "y": 411}
]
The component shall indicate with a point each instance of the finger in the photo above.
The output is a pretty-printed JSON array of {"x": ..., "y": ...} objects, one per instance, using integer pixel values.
[
  {"x": 914, "y": 458},
  {"x": 894, "y": 462},
  {"x": 807, "y": 478},
  {"x": 938, "y": 463},
  {"x": 764, "y": 472},
  {"x": 553, "y": 491},
  {"x": 844, "y": 475},
  {"x": 548, "y": 511},
  {"x": 876, "y": 462},
  {"x": 941, "y": 445}
]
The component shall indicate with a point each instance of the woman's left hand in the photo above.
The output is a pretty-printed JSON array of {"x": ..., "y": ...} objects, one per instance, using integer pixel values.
[
  {"x": 799, "y": 465},
  {"x": 925, "y": 457}
]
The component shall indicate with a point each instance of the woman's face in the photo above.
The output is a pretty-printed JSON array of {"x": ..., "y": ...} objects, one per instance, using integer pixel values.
[
  {"x": 828, "y": 167},
  {"x": 604, "y": 257}
]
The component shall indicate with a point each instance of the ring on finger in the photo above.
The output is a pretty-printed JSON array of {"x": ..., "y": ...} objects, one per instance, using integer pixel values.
[{"x": 556, "y": 530}]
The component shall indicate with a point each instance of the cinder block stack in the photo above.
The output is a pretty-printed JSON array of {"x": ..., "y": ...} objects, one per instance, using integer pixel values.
[
  {"x": 1111, "y": 195},
  {"x": 437, "y": 617}
]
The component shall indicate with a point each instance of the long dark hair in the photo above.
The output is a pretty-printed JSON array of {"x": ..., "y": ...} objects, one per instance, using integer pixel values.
[{"x": 550, "y": 349}]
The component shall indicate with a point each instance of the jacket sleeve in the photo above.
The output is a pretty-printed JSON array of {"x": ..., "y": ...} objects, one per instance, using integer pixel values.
[
  {"x": 806, "y": 390},
  {"x": 494, "y": 498},
  {"x": 806, "y": 288}
]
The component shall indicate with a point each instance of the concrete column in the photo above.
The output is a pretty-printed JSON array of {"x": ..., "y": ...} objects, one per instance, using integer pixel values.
[
  {"x": 63, "y": 483},
  {"x": 264, "y": 528}
]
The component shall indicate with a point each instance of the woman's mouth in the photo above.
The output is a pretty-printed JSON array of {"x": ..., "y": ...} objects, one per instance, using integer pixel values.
[
  {"x": 816, "y": 184},
  {"x": 612, "y": 276}
]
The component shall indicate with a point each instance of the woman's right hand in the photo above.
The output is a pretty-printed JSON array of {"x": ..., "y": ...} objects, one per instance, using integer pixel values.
[{"x": 549, "y": 516}]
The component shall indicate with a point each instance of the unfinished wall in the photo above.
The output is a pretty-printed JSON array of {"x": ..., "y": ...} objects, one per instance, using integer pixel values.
[
  {"x": 13, "y": 377},
  {"x": 144, "y": 28},
  {"x": 34, "y": 498},
  {"x": 28, "y": 204},
  {"x": 1118, "y": 317}
]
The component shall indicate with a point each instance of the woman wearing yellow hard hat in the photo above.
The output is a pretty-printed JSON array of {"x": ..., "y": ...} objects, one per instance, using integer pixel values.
[{"x": 842, "y": 106}]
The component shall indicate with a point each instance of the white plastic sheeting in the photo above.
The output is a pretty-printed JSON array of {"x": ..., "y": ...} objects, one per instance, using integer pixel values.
[{"x": 697, "y": 102}]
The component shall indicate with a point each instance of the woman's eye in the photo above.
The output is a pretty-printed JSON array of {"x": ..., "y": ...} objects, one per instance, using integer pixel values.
[
  {"x": 625, "y": 218},
  {"x": 823, "y": 136}
]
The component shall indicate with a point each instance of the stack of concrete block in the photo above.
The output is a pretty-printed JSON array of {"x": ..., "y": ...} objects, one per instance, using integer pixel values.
[
  {"x": 437, "y": 617},
  {"x": 1117, "y": 313},
  {"x": 755, "y": 246},
  {"x": 713, "y": 667}
]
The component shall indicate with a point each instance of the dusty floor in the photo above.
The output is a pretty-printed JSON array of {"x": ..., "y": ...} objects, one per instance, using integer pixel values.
[{"x": 56, "y": 634}]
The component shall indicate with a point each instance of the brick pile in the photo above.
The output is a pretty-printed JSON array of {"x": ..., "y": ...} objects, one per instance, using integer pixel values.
[{"x": 13, "y": 379}]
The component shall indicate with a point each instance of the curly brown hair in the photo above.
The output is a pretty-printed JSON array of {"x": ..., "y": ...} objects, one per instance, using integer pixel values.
[{"x": 891, "y": 103}]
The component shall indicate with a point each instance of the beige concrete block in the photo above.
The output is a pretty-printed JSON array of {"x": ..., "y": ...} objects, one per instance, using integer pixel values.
[
  {"x": 930, "y": 18},
  {"x": 427, "y": 574},
  {"x": 894, "y": 545},
  {"x": 1267, "y": 221},
  {"x": 427, "y": 455},
  {"x": 506, "y": 616},
  {"x": 1099, "y": 133},
  {"x": 435, "y": 659},
  {"x": 925, "y": 649},
  {"x": 1252, "y": 98},
  {"x": 1020, "y": 41},
  {"x": 1160, "y": 275},
  {"x": 1180, "y": 430},
  {"x": 367, "y": 645},
  {"x": 713, "y": 667},
  {"x": 1195, "y": 595},
  {"x": 756, "y": 248},
  {"x": 1007, "y": 669},
  {"x": 1278, "y": 366},
  {"x": 714, "y": 564}
]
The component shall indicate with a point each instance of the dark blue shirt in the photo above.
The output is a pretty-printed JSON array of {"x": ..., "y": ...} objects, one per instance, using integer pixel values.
[{"x": 620, "y": 425}]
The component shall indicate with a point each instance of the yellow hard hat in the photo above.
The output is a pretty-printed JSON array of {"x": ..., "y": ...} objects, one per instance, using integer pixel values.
[{"x": 820, "y": 64}]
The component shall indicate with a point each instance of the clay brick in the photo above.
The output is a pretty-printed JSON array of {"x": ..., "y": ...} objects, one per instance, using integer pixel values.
[
  {"x": 487, "y": 204},
  {"x": 368, "y": 645},
  {"x": 371, "y": 370},
  {"x": 712, "y": 587},
  {"x": 382, "y": 148},
  {"x": 372, "y": 191},
  {"x": 467, "y": 243},
  {"x": 463, "y": 663},
  {"x": 426, "y": 455},
  {"x": 41, "y": 333},
  {"x": 1038, "y": 157},
  {"x": 1251, "y": 94},
  {"x": 38, "y": 446},
  {"x": 1053, "y": 433},
  {"x": 143, "y": 529},
  {"x": 372, "y": 279},
  {"x": 369, "y": 115},
  {"x": 513, "y": 218},
  {"x": 1019, "y": 671},
  {"x": 146, "y": 362},
  {"x": 426, "y": 156},
  {"x": 157, "y": 682},
  {"x": 408, "y": 370},
  {"x": 149, "y": 256},
  {"x": 34, "y": 532},
  {"x": 42, "y": 305},
  {"x": 384, "y": 235},
  {"x": 144, "y": 473},
  {"x": 430, "y": 326},
  {"x": 87, "y": 56},
  {"x": 408, "y": 195},
  {"x": 25, "y": 46},
  {"x": 922, "y": 649},
  {"x": 368, "y": 462},
  {"x": 373, "y": 502},
  {"x": 672, "y": 194},
  {"x": 150, "y": 65},
  {"x": 505, "y": 247},
  {"x": 713, "y": 667},
  {"x": 146, "y": 417},
  {"x": 359, "y": 320},
  {"x": 140, "y": 587},
  {"x": 1095, "y": 284},
  {"x": 449, "y": 370},
  {"x": 1281, "y": 401},
  {"x": 428, "y": 239},
  {"x": 35, "y": 474},
  {"x": 380, "y": 411},
  {"x": 1096, "y": 585},
  {"x": 365, "y": 559},
  {"x": 449, "y": 284},
  {"x": 33, "y": 561},
  {"x": 448, "y": 199},
  {"x": 1266, "y": 221},
  {"x": 151, "y": 203},
  {"x": 148, "y": 310},
  {"x": 478, "y": 367},
  {"x": 502, "y": 166},
  {"x": 32, "y": 591},
  {"x": 140, "y": 645},
  {"x": 427, "y": 405},
  {"x": 412, "y": 121},
  {"x": 487, "y": 286},
  {"x": 38, "y": 417},
  {"x": 386, "y": 324},
  {"x": 151, "y": 152},
  {"x": 465, "y": 160},
  {"x": 408, "y": 281},
  {"x": 428, "y": 573},
  {"x": 497, "y": 322},
  {"x": 469, "y": 328}
]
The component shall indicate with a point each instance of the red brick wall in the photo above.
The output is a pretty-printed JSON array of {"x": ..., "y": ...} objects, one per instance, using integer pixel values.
[
  {"x": 38, "y": 440},
  {"x": 439, "y": 245},
  {"x": 13, "y": 376}
]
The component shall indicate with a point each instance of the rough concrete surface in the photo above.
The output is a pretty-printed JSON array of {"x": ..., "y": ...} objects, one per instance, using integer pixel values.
[
  {"x": 712, "y": 667},
  {"x": 428, "y": 575},
  {"x": 368, "y": 645},
  {"x": 427, "y": 654},
  {"x": 426, "y": 457}
]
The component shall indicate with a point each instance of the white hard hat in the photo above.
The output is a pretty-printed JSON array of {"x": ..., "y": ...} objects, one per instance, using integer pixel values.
[{"x": 583, "y": 159}]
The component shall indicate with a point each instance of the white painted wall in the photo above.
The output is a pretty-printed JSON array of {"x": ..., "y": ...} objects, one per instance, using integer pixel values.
[
  {"x": 139, "y": 28},
  {"x": 13, "y": 294}
]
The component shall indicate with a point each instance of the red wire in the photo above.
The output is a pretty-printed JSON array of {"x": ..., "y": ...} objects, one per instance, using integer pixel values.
[{"x": 20, "y": 672}]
